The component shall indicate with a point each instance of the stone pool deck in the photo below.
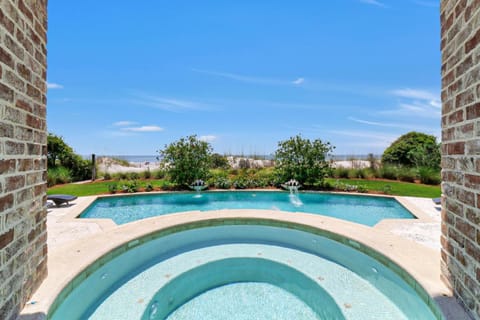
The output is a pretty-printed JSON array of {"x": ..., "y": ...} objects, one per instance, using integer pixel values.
[{"x": 412, "y": 244}]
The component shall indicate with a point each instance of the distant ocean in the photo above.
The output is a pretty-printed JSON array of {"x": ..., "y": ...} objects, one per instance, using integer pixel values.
[{"x": 153, "y": 158}]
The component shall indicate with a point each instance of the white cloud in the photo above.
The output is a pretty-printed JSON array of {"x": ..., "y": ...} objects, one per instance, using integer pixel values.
[
  {"x": 416, "y": 94},
  {"x": 374, "y": 2},
  {"x": 252, "y": 79},
  {"x": 124, "y": 123},
  {"x": 416, "y": 103},
  {"x": 298, "y": 81},
  {"x": 379, "y": 124},
  {"x": 143, "y": 129},
  {"x": 393, "y": 125},
  {"x": 378, "y": 136},
  {"x": 51, "y": 85},
  {"x": 167, "y": 103},
  {"x": 208, "y": 138}
]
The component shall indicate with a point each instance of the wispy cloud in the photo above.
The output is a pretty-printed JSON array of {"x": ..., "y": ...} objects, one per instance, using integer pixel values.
[
  {"x": 298, "y": 81},
  {"x": 374, "y": 2},
  {"x": 208, "y": 138},
  {"x": 143, "y": 129},
  {"x": 378, "y": 124},
  {"x": 394, "y": 125},
  {"x": 128, "y": 128},
  {"x": 124, "y": 123},
  {"x": 168, "y": 103},
  {"x": 416, "y": 94},
  {"x": 51, "y": 85},
  {"x": 252, "y": 79},
  {"x": 415, "y": 103}
]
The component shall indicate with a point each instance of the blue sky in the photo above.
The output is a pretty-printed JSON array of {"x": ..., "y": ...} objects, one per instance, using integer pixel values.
[{"x": 129, "y": 77}]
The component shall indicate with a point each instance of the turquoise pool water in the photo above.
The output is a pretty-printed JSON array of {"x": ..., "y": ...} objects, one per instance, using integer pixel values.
[
  {"x": 238, "y": 272},
  {"x": 366, "y": 210}
]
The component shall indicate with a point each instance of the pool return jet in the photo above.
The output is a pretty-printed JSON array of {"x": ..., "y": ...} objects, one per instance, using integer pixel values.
[
  {"x": 198, "y": 185},
  {"x": 293, "y": 185}
]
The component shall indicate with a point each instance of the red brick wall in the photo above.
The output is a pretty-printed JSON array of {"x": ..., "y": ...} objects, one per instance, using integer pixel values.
[
  {"x": 23, "y": 249},
  {"x": 460, "y": 21}
]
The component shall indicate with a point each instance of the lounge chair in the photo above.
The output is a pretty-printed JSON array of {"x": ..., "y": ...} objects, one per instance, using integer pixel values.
[
  {"x": 437, "y": 201},
  {"x": 60, "y": 199}
]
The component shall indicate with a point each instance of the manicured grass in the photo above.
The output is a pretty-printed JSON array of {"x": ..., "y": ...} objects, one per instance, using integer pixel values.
[
  {"x": 397, "y": 188},
  {"x": 95, "y": 188},
  {"x": 377, "y": 186}
]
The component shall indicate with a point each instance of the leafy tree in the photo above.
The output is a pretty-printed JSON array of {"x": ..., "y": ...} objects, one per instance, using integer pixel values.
[
  {"x": 57, "y": 150},
  {"x": 303, "y": 160},
  {"x": 61, "y": 155},
  {"x": 187, "y": 160},
  {"x": 219, "y": 161},
  {"x": 414, "y": 149}
]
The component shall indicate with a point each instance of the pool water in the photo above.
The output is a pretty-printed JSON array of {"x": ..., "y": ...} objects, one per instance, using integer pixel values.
[
  {"x": 367, "y": 210},
  {"x": 241, "y": 272}
]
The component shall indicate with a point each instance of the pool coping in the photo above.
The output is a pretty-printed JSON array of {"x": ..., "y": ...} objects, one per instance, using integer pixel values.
[{"x": 66, "y": 262}]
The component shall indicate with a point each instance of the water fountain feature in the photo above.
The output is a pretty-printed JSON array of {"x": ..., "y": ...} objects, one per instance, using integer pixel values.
[
  {"x": 198, "y": 185},
  {"x": 293, "y": 185}
]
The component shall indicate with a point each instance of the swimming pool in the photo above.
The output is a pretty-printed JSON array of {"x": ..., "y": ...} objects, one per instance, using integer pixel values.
[
  {"x": 242, "y": 271},
  {"x": 367, "y": 210}
]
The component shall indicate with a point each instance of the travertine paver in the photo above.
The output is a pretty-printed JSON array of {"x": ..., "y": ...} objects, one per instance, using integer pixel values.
[{"x": 425, "y": 233}]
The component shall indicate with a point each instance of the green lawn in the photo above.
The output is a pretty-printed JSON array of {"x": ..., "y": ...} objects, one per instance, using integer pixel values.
[{"x": 397, "y": 188}]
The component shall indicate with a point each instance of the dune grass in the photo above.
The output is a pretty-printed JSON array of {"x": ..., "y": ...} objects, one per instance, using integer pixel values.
[{"x": 377, "y": 186}]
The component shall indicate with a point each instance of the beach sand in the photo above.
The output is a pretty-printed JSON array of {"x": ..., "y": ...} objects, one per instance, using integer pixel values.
[{"x": 109, "y": 165}]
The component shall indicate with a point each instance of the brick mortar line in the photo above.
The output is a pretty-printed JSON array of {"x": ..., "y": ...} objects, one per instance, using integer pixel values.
[{"x": 17, "y": 59}]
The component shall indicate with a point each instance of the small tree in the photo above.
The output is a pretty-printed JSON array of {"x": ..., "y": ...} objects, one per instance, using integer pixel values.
[
  {"x": 57, "y": 150},
  {"x": 303, "y": 160},
  {"x": 60, "y": 154},
  {"x": 414, "y": 149},
  {"x": 187, "y": 160},
  {"x": 219, "y": 161}
]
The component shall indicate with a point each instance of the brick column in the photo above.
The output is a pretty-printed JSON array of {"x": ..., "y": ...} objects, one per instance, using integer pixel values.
[
  {"x": 23, "y": 59},
  {"x": 460, "y": 21}
]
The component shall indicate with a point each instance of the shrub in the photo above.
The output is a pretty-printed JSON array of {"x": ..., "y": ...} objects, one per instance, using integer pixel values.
[
  {"x": 303, "y": 160},
  {"x": 112, "y": 188},
  {"x": 388, "y": 172},
  {"x": 159, "y": 174},
  {"x": 340, "y": 186},
  {"x": 429, "y": 176},
  {"x": 121, "y": 176},
  {"x": 147, "y": 174},
  {"x": 166, "y": 185},
  {"x": 406, "y": 174},
  {"x": 414, "y": 149},
  {"x": 187, "y": 160},
  {"x": 130, "y": 186},
  {"x": 148, "y": 187},
  {"x": 240, "y": 183},
  {"x": 222, "y": 183},
  {"x": 326, "y": 185},
  {"x": 133, "y": 176},
  {"x": 357, "y": 173},
  {"x": 341, "y": 173},
  {"x": 58, "y": 175},
  {"x": 219, "y": 161},
  {"x": 107, "y": 176},
  {"x": 362, "y": 189}
]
